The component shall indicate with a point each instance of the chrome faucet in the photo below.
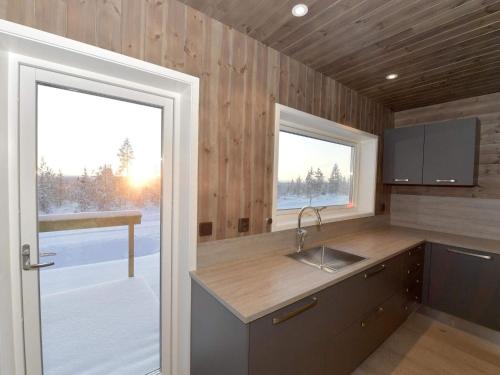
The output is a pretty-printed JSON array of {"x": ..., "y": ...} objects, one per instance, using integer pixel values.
[{"x": 301, "y": 232}]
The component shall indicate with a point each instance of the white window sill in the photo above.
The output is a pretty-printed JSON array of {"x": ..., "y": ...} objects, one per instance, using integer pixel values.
[{"x": 288, "y": 220}]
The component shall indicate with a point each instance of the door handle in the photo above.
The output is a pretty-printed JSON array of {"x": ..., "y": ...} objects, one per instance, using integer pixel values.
[
  {"x": 450, "y": 180},
  {"x": 373, "y": 272},
  {"x": 27, "y": 266},
  {"x": 461, "y": 252},
  {"x": 299, "y": 311},
  {"x": 401, "y": 180}
]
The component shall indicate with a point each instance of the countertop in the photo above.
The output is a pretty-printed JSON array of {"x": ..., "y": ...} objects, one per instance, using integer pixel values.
[{"x": 251, "y": 289}]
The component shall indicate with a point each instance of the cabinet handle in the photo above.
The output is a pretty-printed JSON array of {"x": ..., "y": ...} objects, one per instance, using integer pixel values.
[
  {"x": 461, "y": 252},
  {"x": 374, "y": 272},
  {"x": 378, "y": 312},
  {"x": 401, "y": 180},
  {"x": 450, "y": 180},
  {"x": 299, "y": 311}
]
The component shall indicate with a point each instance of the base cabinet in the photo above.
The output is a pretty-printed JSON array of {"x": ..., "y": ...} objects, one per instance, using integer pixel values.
[
  {"x": 465, "y": 283},
  {"x": 285, "y": 342},
  {"x": 328, "y": 333},
  {"x": 348, "y": 349}
]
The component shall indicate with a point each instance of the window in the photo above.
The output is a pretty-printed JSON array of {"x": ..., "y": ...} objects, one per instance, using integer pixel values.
[
  {"x": 314, "y": 172},
  {"x": 321, "y": 163}
]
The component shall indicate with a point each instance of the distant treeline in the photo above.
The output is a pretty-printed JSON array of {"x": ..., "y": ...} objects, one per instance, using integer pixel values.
[
  {"x": 100, "y": 190},
  {"x": 315, "y": 184}
]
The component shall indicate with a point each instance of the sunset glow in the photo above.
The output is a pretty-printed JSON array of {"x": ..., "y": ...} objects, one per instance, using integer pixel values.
[{"x": 140, "y": 176}]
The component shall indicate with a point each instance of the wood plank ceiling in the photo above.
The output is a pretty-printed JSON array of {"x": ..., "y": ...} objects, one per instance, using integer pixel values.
[{"x": 443, "y": 50}]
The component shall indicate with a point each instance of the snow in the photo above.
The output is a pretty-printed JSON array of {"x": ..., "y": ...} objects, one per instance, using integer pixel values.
[
  {"x": 95, "y": 319},
  {"x": 110, "y": 328},
  {"x": 293, "y": 201}
]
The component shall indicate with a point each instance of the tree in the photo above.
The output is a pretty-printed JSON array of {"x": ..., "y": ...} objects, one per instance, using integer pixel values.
[
  {"x": 46, "y": 187},
  {"x": 335, "y": 180},
  {"x": 319, "y": 181},
  {"x": 60, "y": 191},
  {"x": 299, "y": 186},
  {"x": 105, "y": 188},
  {"x": 83, "y": 194},
  {"x": 310, "y": 185},
  {"x": 126, "y": 155}
]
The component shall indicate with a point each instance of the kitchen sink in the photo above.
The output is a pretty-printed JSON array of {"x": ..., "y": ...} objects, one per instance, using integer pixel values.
[{"x": 325, "y": 258}]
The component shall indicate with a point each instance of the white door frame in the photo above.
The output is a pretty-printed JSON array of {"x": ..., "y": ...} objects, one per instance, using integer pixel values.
[
  {"x": 29, "y": 78},
  {"x": 20, "y": 45}
]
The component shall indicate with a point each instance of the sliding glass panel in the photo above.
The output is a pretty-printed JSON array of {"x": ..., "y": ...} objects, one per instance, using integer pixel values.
[{"x": 99, "y": 191}]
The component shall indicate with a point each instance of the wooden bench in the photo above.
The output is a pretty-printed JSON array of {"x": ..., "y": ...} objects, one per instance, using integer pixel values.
[{"x": 88, "y": 220}]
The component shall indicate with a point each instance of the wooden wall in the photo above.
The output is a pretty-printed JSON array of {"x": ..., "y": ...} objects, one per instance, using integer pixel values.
[
  {"x": 241, "y": 79},
  {"x": 473, "y": 211}
]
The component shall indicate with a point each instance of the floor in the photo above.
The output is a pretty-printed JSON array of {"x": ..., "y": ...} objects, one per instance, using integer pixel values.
[{"x": 424, "y": 346}]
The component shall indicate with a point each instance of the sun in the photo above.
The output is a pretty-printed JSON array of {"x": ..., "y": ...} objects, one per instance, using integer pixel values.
[{"x": 139, "y": 177}]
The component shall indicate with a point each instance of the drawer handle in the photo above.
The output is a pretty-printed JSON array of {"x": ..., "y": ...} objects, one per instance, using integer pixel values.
[
  {"x": 379, "y": 311},
  {"x": 299, "y": 311},
  {"x": 374, "y": 272},
  {"x": 401, "y": 180},
  {"x": 461, "y": 252},
  {"x": 452, "y": 180}
]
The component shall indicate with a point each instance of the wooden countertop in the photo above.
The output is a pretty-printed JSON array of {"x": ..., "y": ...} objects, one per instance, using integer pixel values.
[{"x": 257, "y": 287}]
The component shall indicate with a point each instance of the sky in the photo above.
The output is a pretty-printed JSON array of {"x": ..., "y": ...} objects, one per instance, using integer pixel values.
[
  {"x": 77, "y": 131},
  {"x": 298, "y": 153}
]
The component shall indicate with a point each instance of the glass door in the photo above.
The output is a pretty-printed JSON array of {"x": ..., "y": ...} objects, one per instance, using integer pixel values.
[{"x": 95, "y": 183}]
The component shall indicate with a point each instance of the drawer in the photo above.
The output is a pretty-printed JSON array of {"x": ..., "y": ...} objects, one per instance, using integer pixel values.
[
  {"x": 348, "y": 349},
  {"x": 356, "y": 296},
  {"x": 287, "y": 341},
  {"x": 413, "y": 293},
  {"x": 414, "y": 256},
  {"x": 381, "y": 282},
  {"x": 411, "y": 276}
]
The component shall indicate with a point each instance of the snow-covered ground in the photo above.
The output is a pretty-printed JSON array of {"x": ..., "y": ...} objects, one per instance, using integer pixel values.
[
  {"x": 293, "y": 201},
  {"x": 95, "y": 319}
]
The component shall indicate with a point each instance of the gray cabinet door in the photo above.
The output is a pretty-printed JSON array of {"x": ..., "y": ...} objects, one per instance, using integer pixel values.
[
  {"x": 403, "y": 155},
  {"x": 466, "y": 283},
  {"x": 219, "y": 340},
  {"x": 450, "y": 153},
  {"x": 290, "y": 341}
]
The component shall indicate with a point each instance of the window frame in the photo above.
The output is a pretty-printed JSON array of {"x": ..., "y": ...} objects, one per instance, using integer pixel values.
[{"x": 364, "y": 160}]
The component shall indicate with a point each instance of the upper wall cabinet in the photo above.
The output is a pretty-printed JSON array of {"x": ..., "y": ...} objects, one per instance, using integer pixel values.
[
  {"x": 404, "y": 155},
  {"x": 444, "y": 153},
  {"x": 450, "y": 153}
]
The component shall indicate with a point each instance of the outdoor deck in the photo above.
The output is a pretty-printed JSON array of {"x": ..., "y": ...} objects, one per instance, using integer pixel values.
[{"x": 100, "y": 304}]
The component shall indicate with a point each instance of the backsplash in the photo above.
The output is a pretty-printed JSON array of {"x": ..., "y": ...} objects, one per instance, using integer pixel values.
[
  {"x": 456, "y": 215},
  {"x": 282, "y": 242}
]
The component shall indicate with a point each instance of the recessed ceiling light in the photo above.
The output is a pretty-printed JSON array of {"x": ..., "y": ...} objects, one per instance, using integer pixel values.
[
  {"x": 391, "y": 76},
  {"x": 300, "y": 10}
]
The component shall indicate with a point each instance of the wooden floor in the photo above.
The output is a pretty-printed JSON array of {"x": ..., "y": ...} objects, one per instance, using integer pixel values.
[{"x": 423, "y": 346}]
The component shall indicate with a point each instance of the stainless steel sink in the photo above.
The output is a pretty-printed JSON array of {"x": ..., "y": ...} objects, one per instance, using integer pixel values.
[{"x": 326, "y": 259}]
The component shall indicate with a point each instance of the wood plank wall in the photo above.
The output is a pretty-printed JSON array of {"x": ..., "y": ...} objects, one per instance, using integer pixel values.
[
  {"x": 473, "y": 211},
  {"x": 241, "y": 79}
]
